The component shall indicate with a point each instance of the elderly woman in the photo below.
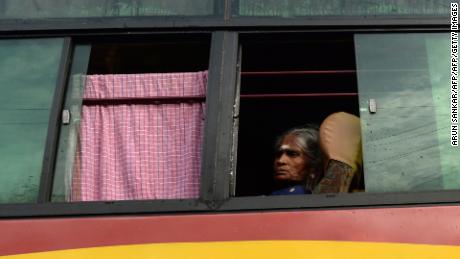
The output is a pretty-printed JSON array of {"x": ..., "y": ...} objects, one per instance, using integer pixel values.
[
  {"x": 298, "y": 163},
  {"x": 303, "y": 154}
]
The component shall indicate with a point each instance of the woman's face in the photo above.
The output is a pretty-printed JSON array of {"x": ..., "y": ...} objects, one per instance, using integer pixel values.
[{"x": 291, "y": 163}]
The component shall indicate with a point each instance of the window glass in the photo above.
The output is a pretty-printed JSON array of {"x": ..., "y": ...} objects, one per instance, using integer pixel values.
[
  {"x": 406, "y": 141},
  {"x": 26, "y": 9},
  {"x": 137, "y": 117},
  {"x": 68, "y": 134},
  {"x": 292, "y": 8},
  {"x": 28, "y": 74}
]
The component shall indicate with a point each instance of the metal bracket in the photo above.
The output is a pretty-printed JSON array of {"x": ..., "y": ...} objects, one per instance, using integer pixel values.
[
  {"x": 372, "y": 106},
  {"x": 65, "y": 117}
]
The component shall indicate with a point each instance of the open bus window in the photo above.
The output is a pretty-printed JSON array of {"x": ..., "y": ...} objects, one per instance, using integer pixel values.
[
  {"x": 397, "y": 84},
  {"x": 287, "y": 81},
  {"x": 136, "y": 121}
]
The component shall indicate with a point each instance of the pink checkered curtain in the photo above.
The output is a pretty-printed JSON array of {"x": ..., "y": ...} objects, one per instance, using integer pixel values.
[{"x": 140, "y": 151}]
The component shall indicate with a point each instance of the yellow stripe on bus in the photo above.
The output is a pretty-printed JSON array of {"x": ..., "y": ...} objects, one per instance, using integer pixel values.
[{"x": 253, "y": 250}]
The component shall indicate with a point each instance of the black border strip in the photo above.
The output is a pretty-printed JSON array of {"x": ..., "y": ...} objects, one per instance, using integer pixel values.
[
  {"x": 90, "y": 36},
  {"x": 46, "y": 181}
]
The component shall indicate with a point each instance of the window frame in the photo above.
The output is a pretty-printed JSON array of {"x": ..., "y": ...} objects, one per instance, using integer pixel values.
[
  {"x": 219, "y": 149},
  {"x": 142, "y": 23},
  {"x": 46, "y": 180},
  {"x": 340, "y": 200},
  {"x": 218, "y": 44}
]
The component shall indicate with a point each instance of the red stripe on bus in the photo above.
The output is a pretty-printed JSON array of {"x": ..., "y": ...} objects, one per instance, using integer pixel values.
[{"x": 422, "y": 225}]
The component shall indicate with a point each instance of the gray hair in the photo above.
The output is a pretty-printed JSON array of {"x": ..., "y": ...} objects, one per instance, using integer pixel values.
[{"x": 308, "y": 140}]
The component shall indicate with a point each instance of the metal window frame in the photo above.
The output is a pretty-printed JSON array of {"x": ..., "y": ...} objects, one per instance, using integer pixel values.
[
  {"x": 162, "y": 23},
  {"x": 216, "y": 162},
  {"x": 46, "y": 180},
  {"x": 44, "y": 206},
  {"x": 427, "y": 198}
]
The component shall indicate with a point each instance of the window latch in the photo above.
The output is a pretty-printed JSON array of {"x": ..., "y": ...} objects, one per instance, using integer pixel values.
[
  {"x": 65, "y": 117},
  {"x": 372, "y": 106}
]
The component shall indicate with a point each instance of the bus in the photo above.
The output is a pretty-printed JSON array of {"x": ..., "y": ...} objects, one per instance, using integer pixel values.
[{"x": 146, "y": 129}]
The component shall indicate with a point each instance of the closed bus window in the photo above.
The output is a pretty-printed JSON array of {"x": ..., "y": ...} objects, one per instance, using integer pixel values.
[
  {"x": 28, "y": 75},
  {"x": 381, "y": 8},
  {"x": 407, "y": 140},
  {"x": 24, "y": 9}
]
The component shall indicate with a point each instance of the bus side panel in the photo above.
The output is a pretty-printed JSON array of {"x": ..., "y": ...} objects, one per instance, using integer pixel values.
[{"x": 422, "y": 225}]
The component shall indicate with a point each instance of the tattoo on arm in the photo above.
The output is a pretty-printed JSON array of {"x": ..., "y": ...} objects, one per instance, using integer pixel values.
[{"x": 337, "y": 178}]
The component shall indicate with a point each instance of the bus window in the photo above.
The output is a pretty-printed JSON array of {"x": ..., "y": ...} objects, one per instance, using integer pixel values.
[
  {"x": 28, "y": 76},
  {"x": 397, "y": 84},
  {"x": 137, "y": 116},
  {"x": 287, "y": 81},
  {"x": 407, "y": 140}
]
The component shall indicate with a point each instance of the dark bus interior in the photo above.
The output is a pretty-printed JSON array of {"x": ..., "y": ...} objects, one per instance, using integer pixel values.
[{"x": 305, "y": 77}]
